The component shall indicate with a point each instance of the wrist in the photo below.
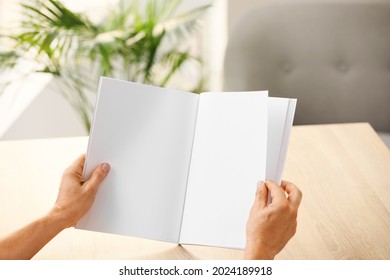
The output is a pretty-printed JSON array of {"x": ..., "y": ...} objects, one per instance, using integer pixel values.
[
  {"x": 257, "y": 252},
  {"x": 57, "y": 218}
]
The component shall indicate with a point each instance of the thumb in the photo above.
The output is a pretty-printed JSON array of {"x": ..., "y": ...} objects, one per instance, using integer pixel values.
[{"x": 97, "y": 177}]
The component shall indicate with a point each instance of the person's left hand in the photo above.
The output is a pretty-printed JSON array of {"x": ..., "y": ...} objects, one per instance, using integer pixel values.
[{"x": 76, "y": 196}]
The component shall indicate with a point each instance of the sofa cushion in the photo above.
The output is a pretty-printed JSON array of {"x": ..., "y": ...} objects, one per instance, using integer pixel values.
[{"x": 332, "y": 55}]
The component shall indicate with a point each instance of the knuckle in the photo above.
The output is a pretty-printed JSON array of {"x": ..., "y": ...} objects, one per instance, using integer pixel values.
[
  {"x": 293, "y": 214},
  {"x": 67, "y": 172},
  {"x": 266, "y": 215},
  {"x": 98, "y": 175},
  {"x": 300, "y": 194},
  {"x": 258, "y": 192},
  {"x": 91, "y": 192},
  {"x": 294, "y": 230},
  {"x": 295, "y": 226},
  {"x": 284, "y": 206}
]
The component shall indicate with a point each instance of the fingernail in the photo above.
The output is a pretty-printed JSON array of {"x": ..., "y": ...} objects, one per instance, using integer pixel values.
[
  {"x": 260, "y": 183},
  {"x": 105, "y": 167}
]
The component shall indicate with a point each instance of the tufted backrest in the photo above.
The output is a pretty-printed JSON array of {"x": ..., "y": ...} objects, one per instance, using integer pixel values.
[{"x": 334, "y": 56}]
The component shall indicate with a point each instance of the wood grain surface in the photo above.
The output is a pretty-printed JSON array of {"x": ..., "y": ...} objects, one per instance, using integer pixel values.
[{"x": 343, "y": 171}]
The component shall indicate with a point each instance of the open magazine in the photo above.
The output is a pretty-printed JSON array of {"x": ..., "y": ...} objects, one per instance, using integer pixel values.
[{"x": 184, "y": 166}]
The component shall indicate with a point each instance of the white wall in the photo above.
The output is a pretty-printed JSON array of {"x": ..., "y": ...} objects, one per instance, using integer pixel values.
[{"x": 48, "y": 115}]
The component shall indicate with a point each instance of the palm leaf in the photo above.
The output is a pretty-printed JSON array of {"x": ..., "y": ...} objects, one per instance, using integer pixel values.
[
  {"x": 176, "y": 59},
  {"x": 183, "y": 24},
  {"x": 8, "y": 59},
  {"x": 130, "y": 42}
]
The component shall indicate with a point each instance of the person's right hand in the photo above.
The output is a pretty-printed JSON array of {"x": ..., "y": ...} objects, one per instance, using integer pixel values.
[{"x": 270, "y": 227}]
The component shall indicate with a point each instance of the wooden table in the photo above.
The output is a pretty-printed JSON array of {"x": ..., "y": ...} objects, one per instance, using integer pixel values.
[{"x": 343, "y": 171}]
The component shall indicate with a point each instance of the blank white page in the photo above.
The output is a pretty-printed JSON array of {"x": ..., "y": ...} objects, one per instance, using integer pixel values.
[
  {"x": 228, "y": 159},
  {"x": 280, "y": 119},
  {"x": 145, "y": 133}
]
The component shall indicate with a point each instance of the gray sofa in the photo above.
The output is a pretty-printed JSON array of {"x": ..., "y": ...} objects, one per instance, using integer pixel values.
[{"x": 334, "y": 56}]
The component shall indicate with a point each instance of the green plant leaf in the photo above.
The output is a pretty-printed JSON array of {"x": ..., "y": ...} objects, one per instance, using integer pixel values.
[{"x": 130, "y": 42}]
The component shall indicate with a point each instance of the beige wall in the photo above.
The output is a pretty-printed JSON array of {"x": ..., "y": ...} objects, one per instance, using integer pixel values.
[
  {"x": 9, "y": 18},
  {"x": 8, "y": 11},
  {"x": 237, "y": 8}
]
